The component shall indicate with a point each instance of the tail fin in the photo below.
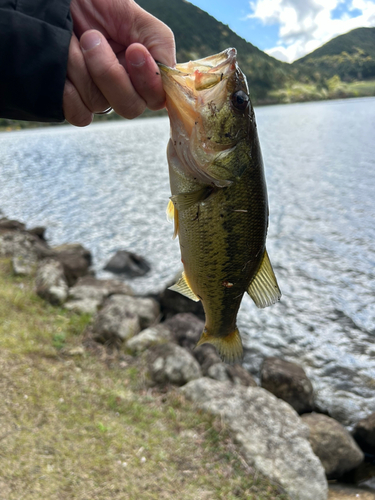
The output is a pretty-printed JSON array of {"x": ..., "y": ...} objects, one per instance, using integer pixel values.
[{"x": 229, "y": 348}]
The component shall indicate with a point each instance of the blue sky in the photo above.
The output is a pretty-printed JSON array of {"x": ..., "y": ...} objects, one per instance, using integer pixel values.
[{"x": 289, "y": 29}]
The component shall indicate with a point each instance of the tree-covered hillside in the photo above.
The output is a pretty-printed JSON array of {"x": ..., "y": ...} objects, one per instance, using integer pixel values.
[
  {"x": 350, "y": 56},
  {"x": 198, "y": 35}
]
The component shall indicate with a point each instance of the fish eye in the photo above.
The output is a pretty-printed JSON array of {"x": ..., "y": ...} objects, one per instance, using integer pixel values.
[{"x": 240, "y": 100}]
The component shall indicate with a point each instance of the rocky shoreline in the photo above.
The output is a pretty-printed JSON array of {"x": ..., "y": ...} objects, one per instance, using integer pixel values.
[{"x": 276, "y": 425}]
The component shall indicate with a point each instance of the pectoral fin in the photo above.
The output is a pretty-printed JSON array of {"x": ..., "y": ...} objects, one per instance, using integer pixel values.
[
  {"x": 183, "y": 201},
  {"x": 183, "y": 287},
  {"x": 172, "y": 215},
  {"x": 264, "y": 289}
]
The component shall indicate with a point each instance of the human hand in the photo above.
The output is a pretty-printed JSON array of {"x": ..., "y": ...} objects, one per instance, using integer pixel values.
[{"x": 113, "y": 63}]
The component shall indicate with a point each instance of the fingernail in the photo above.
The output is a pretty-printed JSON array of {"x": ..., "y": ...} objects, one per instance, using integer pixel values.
[
  {"x": 90, "y": 40},
  {"x": 137, "y": 58}
]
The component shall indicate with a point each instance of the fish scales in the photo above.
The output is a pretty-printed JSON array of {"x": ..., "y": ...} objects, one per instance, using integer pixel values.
[{"x": 219, "y": 195}]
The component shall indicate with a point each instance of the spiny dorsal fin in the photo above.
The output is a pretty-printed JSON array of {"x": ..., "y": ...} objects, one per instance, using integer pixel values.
[
  {"x": 264, "y": 289},
  {"x": 229, "y": 348},
  {"x": 172, "y": 215},
  {"x": 183, "y": 287}
]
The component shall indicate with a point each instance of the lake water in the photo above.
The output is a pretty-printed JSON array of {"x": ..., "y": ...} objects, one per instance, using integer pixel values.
[{"x": 107, "y": 187}]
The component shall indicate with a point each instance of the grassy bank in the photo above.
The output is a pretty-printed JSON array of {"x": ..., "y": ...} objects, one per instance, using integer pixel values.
[
  {"x": 335, "y": 89},
  {"x": 82, "y": 423}
]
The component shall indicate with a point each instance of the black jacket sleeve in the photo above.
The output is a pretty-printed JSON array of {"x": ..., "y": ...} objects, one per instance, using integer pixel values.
[{"x": 34, "y": 45}]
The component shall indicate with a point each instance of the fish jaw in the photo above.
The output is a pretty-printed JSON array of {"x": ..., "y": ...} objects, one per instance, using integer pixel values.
[{"x": 203, "y": 125}]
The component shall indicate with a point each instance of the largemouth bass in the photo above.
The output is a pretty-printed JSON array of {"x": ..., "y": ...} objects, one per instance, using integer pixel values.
[{"x": 219, "y": 196}]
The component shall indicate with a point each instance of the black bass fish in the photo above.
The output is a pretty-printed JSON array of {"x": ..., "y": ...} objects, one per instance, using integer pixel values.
[{"x": 219, "y": 195}]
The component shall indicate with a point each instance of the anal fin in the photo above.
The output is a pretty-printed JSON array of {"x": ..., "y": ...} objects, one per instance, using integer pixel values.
[
  {"x": 264, "y": 289},
  {"x": 183, "y": 287}
]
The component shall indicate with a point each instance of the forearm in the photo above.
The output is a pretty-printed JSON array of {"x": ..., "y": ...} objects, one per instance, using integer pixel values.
[{"x": 34, "y": 44}]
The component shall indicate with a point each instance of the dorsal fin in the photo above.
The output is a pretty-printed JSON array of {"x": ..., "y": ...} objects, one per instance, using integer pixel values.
[
  {"x": 183, "y": 287},
  {"x": 264, "y": 289}
]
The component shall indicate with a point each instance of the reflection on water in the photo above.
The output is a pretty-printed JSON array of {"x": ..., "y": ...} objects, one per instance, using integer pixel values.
[{"x": 107, "y": 187}]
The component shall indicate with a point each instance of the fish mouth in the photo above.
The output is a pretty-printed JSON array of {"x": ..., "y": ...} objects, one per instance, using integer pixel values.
[{"x": 192, "y": 84}]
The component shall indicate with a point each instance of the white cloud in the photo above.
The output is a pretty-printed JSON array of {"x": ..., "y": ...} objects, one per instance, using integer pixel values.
[{"x": 305, "y": 25}]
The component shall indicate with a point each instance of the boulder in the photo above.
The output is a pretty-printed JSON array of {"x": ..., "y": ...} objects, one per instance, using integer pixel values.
[
  {"x": 50, "y": 282},
  {"x": 150, "y": 337},
  {"x": 38, "y": 231},
  {"x": 75, "y": 259},
  {"x": 170, "y": 363},
  {"x": 131, "y": 264},
  {"x": 123, "y": 317},
  {"x": 10, "y": 224},
  {"x": 288, "y": 381},
  {"x": 333, "y": 444},
  {"x": 186, "y": 329},
  {"x": 89, "y": 293},
  {"x": 272, "y": 437},
  {"x": 206, "y": 356},
  {"x": 24, "y": 244},
  {"x": 172, "y": 302},
  {"x": 24, "y": 265},
  {"x": 364, "y": 433},
  {"x": 235, "y": 374}
]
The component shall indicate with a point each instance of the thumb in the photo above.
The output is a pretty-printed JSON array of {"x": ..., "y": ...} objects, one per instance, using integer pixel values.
[{"x": 156, "y": 36}]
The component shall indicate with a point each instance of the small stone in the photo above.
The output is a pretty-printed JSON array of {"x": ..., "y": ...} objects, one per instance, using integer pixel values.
[
  {"x": 89, "y": 293},
  {"x": 131, "y": 264},
  {"x": 75, "y": 259},
  {"x": 206, "y": 356},
  {"x": 333, "y": 444},
  {"x": 24, "y": 265},
  {"x": 156, "y": 335},
  {"x": 186, "y": 329},
  {"x": 50, "y": 282},
  {"x": 364, "y": 433},
  {"x": 288, "y": 381},
  {"x": 170, "y": 363}
]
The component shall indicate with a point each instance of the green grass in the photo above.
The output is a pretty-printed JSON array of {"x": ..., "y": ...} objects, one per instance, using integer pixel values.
[
  {"x": 335, "y": 89},
  {"x": 83, "y": 423}
]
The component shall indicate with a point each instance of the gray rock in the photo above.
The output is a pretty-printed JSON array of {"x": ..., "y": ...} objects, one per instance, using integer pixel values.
[
  {"x": 170, "y": 363},
  {"x": 50, "y": 282},
  {"x": 145, "y": 308},
  {"x": 11, "y": 224},
  {"x": 131, "y": 264},
  {"x": 123, "y": 316},
  {"x": 172, "y": 302},
  {"x": 235, "y": 374},
  {"x": 76, "y": 260},
  {"x": 38, "y": 231},
  {"x": 186, "y": 329},
  {"x": 153, "y": 336},
  {"x": 89, "y": 293},
  {"x": 333, "y": 444},
  {"x": 206, "y": 356},
  {"x": 115, "y": 322},
  {"x": 24, "y": 265},
  {"x": 364, "y": 433},
  {"x": 272, "y": 436},
  {"x": 288, "y": 381},
  {"x": 18, "y": 243}
]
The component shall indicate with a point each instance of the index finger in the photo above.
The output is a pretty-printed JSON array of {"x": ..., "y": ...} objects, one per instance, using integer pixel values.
[{"x": 110, "y": 76}]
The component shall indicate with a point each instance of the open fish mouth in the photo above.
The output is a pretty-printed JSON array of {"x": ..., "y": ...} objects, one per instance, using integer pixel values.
[
  {"x": 194, "y": 85},
  {"x": 201, "y": 74}
]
